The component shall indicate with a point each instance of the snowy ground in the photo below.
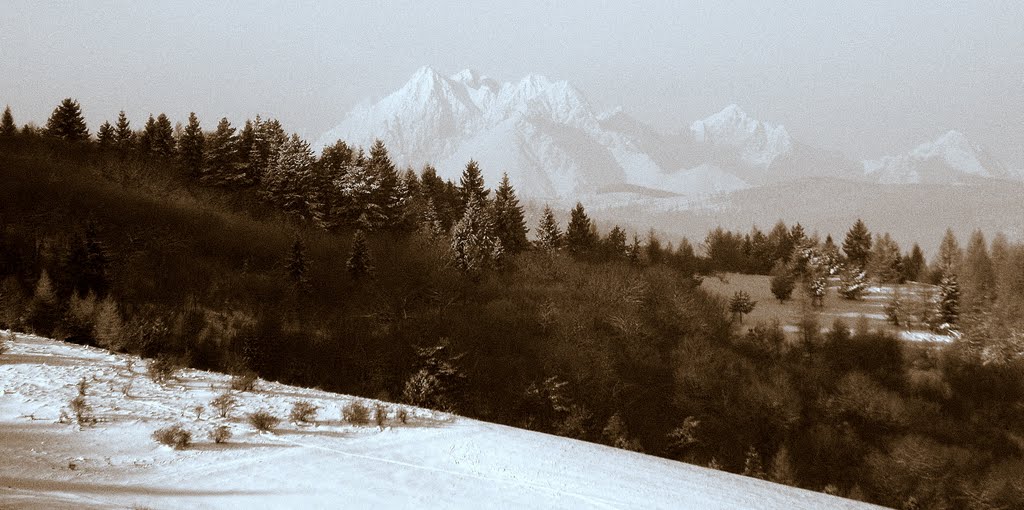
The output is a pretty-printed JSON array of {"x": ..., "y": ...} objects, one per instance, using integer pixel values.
[{"x": 433, "y": 461}]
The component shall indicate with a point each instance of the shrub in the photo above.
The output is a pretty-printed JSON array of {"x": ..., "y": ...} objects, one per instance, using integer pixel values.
[
  {"x": 174, "y": 436},
  {"x": 303, "y": 411},
  {"x": 263, "y": 421},
  {"x": 224, "y": 403},
  {"x": 83, "y": 386},
  {"x": 162, "y": 369},
  {"x": 220, "y": 434},
  {"x": 245, "y": 381},
  {"x": 380, "y": 415},
  {"x": 356, "y": 413},
  {"x": 82, "y": 411},
  {"x": 403, "y": 415}
]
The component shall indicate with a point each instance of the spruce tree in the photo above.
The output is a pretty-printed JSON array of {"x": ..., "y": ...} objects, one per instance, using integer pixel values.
[
  {"x": 162, "y": 138},
  {"x": 949, "y": 299},
  {"x": 509, "y": 218},
  {"x": 977, "y": 274},
  {"x": 105, "y": 136},
  {"x": 741, "y": 304},
  {"x": 146, "y": 136},
  {"x": 635, "y": 251},
  {"x": 950, "y": 255},
  {"x": 297, "y": 266},
  {"x": 915, "y": 265},
  {"x": 191, "y": 146},
  {"x": 857, "y": 245},
  {"x": 385, "y": 196},
  {"x": 358, "y": 264},
  {"x": 884, "y": 262},
  {"x": 580, "y": 235},
  {"x": 613, "y": 246},
  {"x": 471, "y": 184},
  {"x": 221, "y": 164},
  {"x": 287, "y": 180},
  {"x": 124, "y": 137},
  {"x": 549, "y": 236},
  {"x": 67, "y": 123},
  {"x": 474, "y": 246},
  {"x": 7, "y": 126}
]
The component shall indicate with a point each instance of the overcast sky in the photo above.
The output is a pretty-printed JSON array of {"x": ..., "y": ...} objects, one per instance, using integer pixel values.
[{"x": 866, "y": 78}]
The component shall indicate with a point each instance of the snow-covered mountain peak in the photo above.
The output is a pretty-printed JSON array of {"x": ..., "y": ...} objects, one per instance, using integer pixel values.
[
  {"x": 949, "y": 158},
  {"x": 473, "y": 79},
  {"x": 760, "y": 142}
]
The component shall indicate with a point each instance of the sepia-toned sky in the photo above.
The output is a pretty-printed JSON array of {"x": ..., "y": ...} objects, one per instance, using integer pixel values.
[{"x": 867, "y": 78}]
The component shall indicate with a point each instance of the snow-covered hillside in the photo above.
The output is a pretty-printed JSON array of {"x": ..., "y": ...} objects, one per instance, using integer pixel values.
[
  {"x": 949, "y": 159},
  {"x": 433, "y": 461}
]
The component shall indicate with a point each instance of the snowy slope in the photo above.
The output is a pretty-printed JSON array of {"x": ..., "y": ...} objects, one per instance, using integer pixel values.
[
  {"x": 949, "y": 159},
  {"x": 758, "y": 143},
  {"x": 433, "y": 461}
]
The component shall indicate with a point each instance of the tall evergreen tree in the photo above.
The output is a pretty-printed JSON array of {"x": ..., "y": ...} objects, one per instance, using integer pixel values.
[
  {"x": 124, "y": 137},
  {"x": 162, "y": 138},
  {"x": 613, "y": 246},
  {"x": 950, "y": 255},
  {"x": 471, "y": 184},
  {"x": 580, "y": 234},
  {"x": 287, "y": 180},
  {"x": 977, "y": 274},
  {"x": 385, "y": 196},
  {"x": 105, "y": 136},
  {"x": 857, "y": 245},
  {"x": 358, "y": 264},
  {"x": 949, "y": 299},
  {"x": 549, "y": 236},
  {"x": 67, "y": 123},
  {"x": 221, "y": 162},
  {"x": 7, "y": 127},
  {"x": 297, "y": 266},
  {"x": 509, "y": 218},
  {"x": 146, "y": 136},
  {"x": 915, "y": 264},
  {"x": 191, "y": 146},
  {"x": 885, "y": 262},
  {"x": 474, "y": 246}
]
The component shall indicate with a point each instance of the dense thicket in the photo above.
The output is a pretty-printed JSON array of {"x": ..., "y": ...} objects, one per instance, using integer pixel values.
[{"x": 244, "y": 251}]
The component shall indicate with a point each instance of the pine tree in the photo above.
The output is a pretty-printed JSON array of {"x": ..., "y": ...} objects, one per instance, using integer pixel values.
[
  {"x": 549, "y": 235},
  {"x": 949, "y": 299},
  {"x": 852, "y": 282},
  {"x": 509, "y": 218},
  {"x": 884, "y": 262},
  {"x": 385, "y": 196},
  {"x": 105, "y": 136},
  {"x": 297, "y": 266},
  {"x": 191, "y": 146},
  {"x": 740, "y": 304},
  {"x": 287, "y": 180},
  {"x": 857, "y": 245},
  {"x": 161, "y": 139},
  {"x": 915, "y": 265},
  {"x": 358, "y": 264},
  {"x": 635, "y": 251},
  {"x": 613, "y": 245},
  {"x": 950, "y": 255},
  {"x": 431, "y": 223},
  {"x": 471, "y": 185},
  {"x": 124, "y": 137},
  {"x": 145, "y": 138},
  {"x": 752, "y": 464},
  {"x": 67, "y": 123},
  {"x": 580, "y": 234},
  {"x": 221, "y": 163},
  {"x": 783, "y": 282},
  {"x": 977, "y": 274},
  {"x": 7, "y": 126},
  {"x": 474, "y": 246}
]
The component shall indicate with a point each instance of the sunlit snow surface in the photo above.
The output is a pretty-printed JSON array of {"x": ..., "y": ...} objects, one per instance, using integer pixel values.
[{"x": 434, "y": 461}]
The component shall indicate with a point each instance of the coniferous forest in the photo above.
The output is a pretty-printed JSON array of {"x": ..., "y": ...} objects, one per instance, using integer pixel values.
[{"x": 239, "y": 249}]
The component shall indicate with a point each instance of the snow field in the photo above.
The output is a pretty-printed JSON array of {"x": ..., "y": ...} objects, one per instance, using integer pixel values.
[{"x": 435, "y": 460}]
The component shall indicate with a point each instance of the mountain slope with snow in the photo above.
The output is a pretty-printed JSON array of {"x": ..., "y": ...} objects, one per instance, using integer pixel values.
[
  {"x": 433, "y": 461},
  {"x": 949, "y": 159}
]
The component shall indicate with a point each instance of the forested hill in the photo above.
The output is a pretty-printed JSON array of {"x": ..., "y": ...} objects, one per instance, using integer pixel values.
[{"x": 245, "y": 252}]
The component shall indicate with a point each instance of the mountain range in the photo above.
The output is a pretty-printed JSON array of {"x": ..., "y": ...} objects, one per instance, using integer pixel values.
[{"x": 556, "y": 147}]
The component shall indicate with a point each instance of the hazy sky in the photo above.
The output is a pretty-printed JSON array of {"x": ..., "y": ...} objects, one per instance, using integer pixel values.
[{"x": 866, "y": 78}]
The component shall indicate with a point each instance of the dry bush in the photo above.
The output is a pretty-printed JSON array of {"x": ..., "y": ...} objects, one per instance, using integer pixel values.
[
  {"x": 263, "y": 421},
  {"x": 245, "y": 381},
  {"x": 380, "y": 415},
  {"x": 403, "y": 415},
  {"x": 221, "y": 434},
  {"x": 162, "y": 369},
  {"x": 356, "y": 413},
  {"x": 303, "y": 411},
  {"x": 224, "y": 403},
  {"x": 174, "y": 436},
  {"x": 82, "y": 411}
]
